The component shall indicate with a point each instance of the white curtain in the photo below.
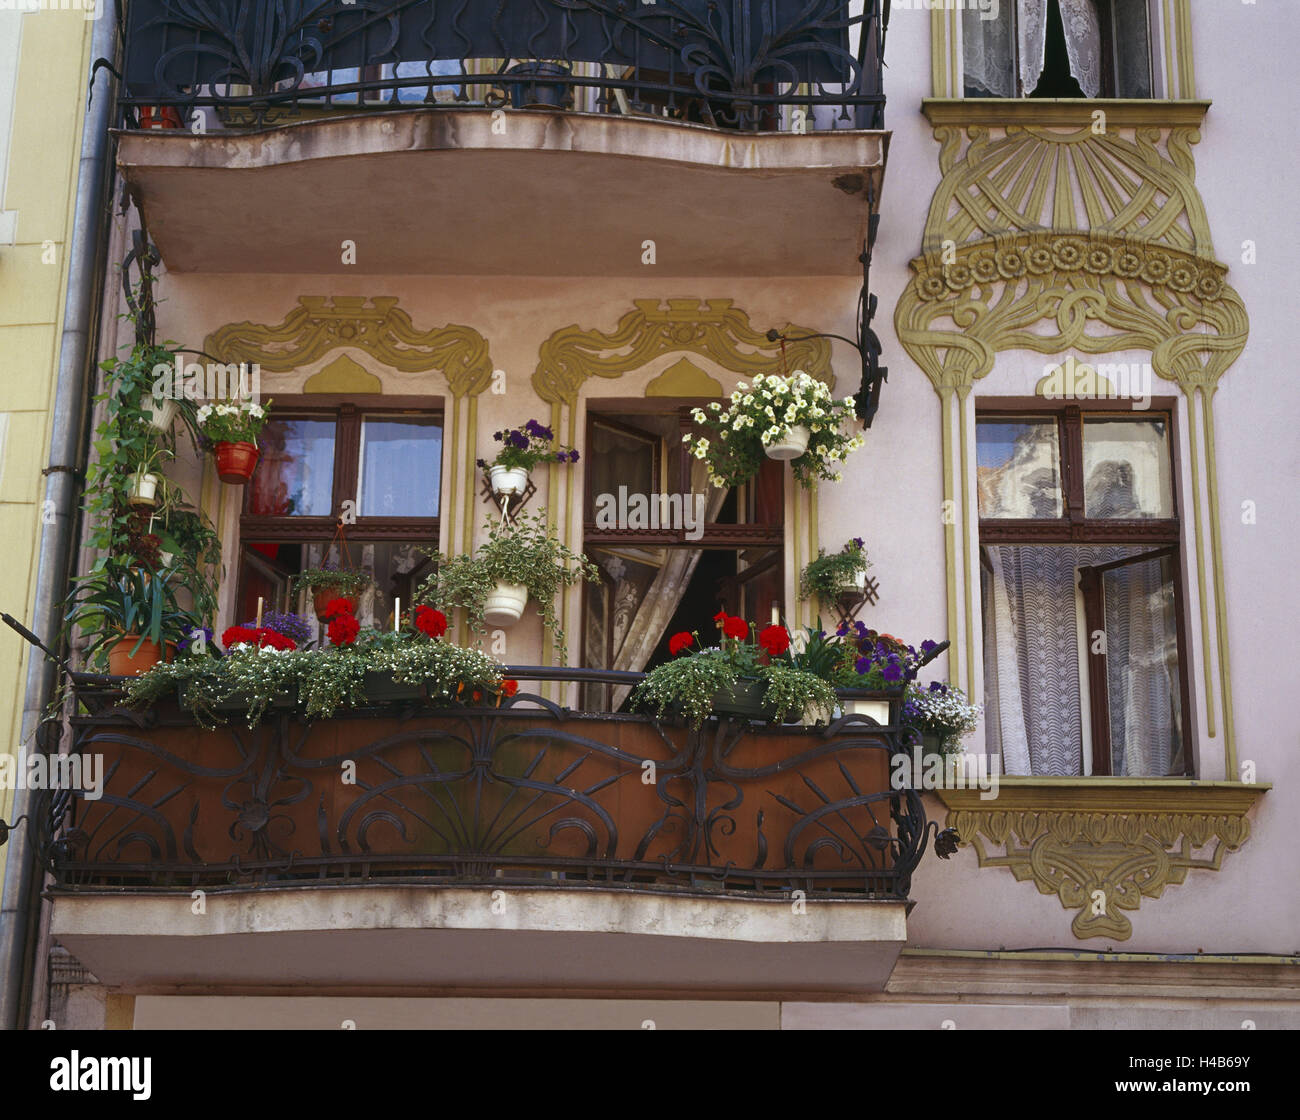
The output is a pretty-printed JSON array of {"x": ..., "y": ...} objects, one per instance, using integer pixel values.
[{"x": 988, "y": 46}]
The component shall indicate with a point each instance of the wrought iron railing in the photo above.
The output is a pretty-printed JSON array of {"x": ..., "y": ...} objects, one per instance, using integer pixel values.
[
  {"x": 526, "y": 793},
  {"x": 750, "y": 64}
]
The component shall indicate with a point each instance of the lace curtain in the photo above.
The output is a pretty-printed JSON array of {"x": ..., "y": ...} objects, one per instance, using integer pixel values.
[
  {"x": 1033, "y": 695},
  {"x": 989, "y": 48}
]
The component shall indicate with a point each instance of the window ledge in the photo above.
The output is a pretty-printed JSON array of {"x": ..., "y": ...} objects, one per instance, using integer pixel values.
[
  {"x": 1101, "y": 844},
  {"x": 1077, "y": 111}
]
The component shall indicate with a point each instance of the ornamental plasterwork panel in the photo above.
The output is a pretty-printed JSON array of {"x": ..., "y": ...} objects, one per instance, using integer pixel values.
[
  {"x": 321, "y": 324},
  {"x": 1052, "y": 239},
  {"x": 714, "y": 329},
  {"x": 1102, "y": 851}
]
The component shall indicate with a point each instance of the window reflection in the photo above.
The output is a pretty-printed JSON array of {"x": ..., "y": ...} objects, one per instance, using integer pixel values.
[
  {"x": 401, "y": 467},
  {"x": 295, "y": 476}
]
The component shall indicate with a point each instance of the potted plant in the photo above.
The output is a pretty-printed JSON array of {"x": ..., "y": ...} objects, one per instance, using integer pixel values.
[
  {"x": 827, "y": 578},
  {"x": 132, "y": 615},
  {"x": 521, "y": 450},
  {"x": 147, "y": 480},
  {"x": 329, "y": 584},
  {"x": 941, "y": 714},
  {"x": 750, "y": 674},
  {"x": 233, "y": 428},
  {"x": 519, "y": 559},
  {"x": 793, "y": 418},
  {"x": 539, "y": 95}
]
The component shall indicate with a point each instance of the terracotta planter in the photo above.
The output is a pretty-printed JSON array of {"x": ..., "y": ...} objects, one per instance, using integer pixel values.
[
  {"x": 508, "y": 480},
  {"x": 121, "y": 663},
  {"x": 236, "y": 462},
  {"x": 320, "y": 600},
  {"x": 505, "y": 605},
  {"x": 792, "y": 446}
]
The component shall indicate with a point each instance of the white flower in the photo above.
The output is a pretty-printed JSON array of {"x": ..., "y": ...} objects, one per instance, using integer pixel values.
[
  {"x": 697, "y": 414},
  {"x": 204, "y": 413},
  {"x": 256, "y": 410}
]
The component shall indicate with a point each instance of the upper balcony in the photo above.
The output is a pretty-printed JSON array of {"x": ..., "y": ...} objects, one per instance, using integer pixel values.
[
  {"x": 433, "y": 134},
  {"x": 522, "y": 845}
]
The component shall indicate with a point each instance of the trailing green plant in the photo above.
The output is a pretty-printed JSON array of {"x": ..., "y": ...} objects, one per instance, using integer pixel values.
[
  {"x": 349, "y": 582},
  {"x": 118, "y": 600},
  {"x": 687, "y": 686},
  {"x": 763, "y": 413},
  {"x": 523, "y": 551},
  {"x": 941, "y": 710},
  {"x": 826, "y": 578},
  {"x": 794, "y": 691}
]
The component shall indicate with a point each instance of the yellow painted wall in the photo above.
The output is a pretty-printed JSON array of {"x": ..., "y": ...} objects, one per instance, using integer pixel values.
[{"x": 42, "y": 107}]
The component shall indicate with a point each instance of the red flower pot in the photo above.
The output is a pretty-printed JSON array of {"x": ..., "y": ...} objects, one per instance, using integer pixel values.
[
  {"x": 236, "y": 461},
  {"x": 160, "y": 116},
  {"x": 121, "y": 663}
]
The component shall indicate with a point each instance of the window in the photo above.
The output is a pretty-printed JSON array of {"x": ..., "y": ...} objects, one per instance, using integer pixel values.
[
  {"x": 1058, "y": 48},
  {"x": 671, "y": 550},
  {"x": 1081, "y": 587},
  {"x": 379, "y": 458}
]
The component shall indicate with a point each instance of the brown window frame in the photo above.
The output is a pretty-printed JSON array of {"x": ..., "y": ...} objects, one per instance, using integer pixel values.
[
  {"x": 1162, "y": 535},
  {"x": 348, "y": 412}
]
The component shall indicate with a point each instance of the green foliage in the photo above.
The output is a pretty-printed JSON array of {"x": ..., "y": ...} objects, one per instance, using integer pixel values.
[
  {"x": 520, "y": 552},
  {"x": 827, "y": 577},
  {"x": 313, "y": 580},
  {"x": 117, "y": 600},
  {"x": 795, "y": 692},
  {"x": 687, "y": 686},
  {"x": 233, "y": 421}
]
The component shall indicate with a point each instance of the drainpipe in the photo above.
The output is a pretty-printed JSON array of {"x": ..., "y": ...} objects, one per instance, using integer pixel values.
[{"x": 18, "y": 906}]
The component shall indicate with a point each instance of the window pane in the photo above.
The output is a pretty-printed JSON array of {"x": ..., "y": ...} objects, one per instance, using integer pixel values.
[
  {"x": 295, "y": 476},
  {"x": 988, "y": 53},
  {"x": 623, "y": 456},
  {"x": 401, "y": 467},
  {"x": 1142, "y": 681},
  {"x": 1018, "y": 465},
  {"x": 1132, "y": 49},
  {"x": 1126, "y": 469}
]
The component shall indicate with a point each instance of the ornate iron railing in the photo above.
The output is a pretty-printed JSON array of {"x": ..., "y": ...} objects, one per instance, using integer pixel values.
[
  {"x": 752, "y": 64},
  {"x": 526, "y": 793}
]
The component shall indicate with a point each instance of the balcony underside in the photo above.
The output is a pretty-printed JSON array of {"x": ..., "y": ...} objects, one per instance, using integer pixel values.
[
  {"x": 429, "y": 937},
  {"x": 443, "y": 192}
]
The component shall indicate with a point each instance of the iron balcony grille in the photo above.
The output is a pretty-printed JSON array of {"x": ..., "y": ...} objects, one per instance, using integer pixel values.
[{"x": 747, "y": 64}]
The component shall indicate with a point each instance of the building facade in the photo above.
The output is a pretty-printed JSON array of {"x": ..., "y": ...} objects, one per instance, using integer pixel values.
[{"x": 1047, "y": 213}]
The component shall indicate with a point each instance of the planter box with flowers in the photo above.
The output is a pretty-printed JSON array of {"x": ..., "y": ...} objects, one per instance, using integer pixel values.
[
  {"x": 791, "y": 417},
  {"x": 262, "y": 670},
  {"x": 233, "y": 427},
  {"x": 521, "y": 451}
]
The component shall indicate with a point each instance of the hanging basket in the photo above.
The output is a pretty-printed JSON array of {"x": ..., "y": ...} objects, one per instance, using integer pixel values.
[
  {"x": 162, "y": 413},
  {"x": 793, "y": 444},
  {"x": 512, "y": 481},
  {"x": 144, "y": 490},
  {"x": 505, "y": 605},
  {"x": 322, "y": 597},
  {"x": 236, "y": 462}
]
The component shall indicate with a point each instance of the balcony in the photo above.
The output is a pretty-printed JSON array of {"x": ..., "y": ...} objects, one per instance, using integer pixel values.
[
  {"x": 526, "y": 845},
  {"x": 433, "y": 134}
]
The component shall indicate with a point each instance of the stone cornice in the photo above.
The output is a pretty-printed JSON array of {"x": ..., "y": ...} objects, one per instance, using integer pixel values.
[
  {"x": 1113, "y": 795},
  {"x": 1063, "y": 112}
]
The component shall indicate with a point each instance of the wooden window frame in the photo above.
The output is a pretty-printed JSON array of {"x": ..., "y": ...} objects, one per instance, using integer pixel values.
[
  {"x": 348, "y": 411},
  {"x": 1161, "y": 536}
]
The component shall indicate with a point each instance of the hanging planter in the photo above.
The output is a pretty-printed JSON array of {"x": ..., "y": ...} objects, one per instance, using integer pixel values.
[
  {"x": 505, "y": 604},
  {"x": 508, "y": 481},
  {"x": 236, "y": 462},
  {"x": 162, "y": 413},
  {"x": 323, "y": 595},
  {"x": 144, "y": 490},
  {"x": 789, "y": 446},
  {"x": 539, "y": 95}
]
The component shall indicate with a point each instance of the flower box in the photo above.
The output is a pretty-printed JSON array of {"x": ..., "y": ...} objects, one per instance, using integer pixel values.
[
  {"x": 383, "y": 688},
  {"x": 745, "y": 701}
]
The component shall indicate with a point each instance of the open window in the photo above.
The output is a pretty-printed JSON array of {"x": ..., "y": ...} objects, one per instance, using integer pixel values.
[
  {"x": 672, "y": 550},
  {"x": 1084, "y": 639},
  {"x": 374, "y": 462},
  {"x": 1058, "y": 48}
]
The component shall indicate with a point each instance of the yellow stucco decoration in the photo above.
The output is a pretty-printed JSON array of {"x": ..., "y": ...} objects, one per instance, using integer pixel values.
[
  {"x": 343, "y": 375},
  {"x": 321, "y": 324},
  {"x": 684, "y": 379},
  {"x": 714, "y": 329}
]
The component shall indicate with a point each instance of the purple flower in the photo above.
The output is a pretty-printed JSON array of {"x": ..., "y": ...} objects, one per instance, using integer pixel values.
[
  {"x": 843, "y": 630},
  {"x": 892, "y": 672},
  {"x": 517, "y": 439},
  {"x": 937, "y": 686},
  {"x": 863, "y": 665},
  {"x": 859, "y": 542},
  {"x": 927, "y": 646},
  {"x": 184, "y": 643},
  {"x": 290, "y": 625},
  {"x": 573, "y": 455}
]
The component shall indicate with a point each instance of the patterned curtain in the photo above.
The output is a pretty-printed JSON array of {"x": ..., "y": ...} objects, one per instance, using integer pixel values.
[{"x": 988, "y": 46}]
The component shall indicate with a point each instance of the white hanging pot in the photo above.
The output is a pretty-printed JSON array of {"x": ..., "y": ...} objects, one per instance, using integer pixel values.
[
  {"x": 508, "y": 480},
  {"x": 144, "y": 489},
  {"x": 162, "y": 413},
  {"x": 860, "y": 581},
  {"x": 794, "y": 444},
  {"x": 505, "y": 605}
]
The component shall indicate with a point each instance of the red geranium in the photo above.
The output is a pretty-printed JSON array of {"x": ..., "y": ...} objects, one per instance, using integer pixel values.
[
  {"x": 274, "y": 639},
  {"x": 774, "y": 639},
  {"x": 260, "y": 637},
  {"x": 430, "y": 621},
  {"x": 720, "y": 617},
  {"x": 337, "y": 607},
  {"x": 679, "y": 642},
  {"x": 509, "y": 688},
  {"x": 735, "y": 627},
  {"x": 343, "y": 629},
  {"x": 238, "y": 635}
]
